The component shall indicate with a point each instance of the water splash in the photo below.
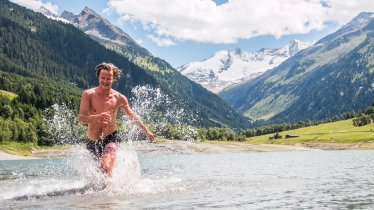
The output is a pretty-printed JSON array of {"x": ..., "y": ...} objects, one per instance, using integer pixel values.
[
  {"x": 156, "y": 110},
  {"x": 126, "y": 171},
  {"x": 87, "y": 169},
  {"x": 62, "y": 125},
  {"x": 160, "y": 114}
]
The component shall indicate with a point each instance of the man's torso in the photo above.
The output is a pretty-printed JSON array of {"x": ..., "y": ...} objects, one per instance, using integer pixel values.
[{"x": 98, "y": 105}]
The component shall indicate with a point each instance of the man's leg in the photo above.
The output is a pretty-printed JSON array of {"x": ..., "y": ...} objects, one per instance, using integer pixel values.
[{"x": 109, "y": 157}]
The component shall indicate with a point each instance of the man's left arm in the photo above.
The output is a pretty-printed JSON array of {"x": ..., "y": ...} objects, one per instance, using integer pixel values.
[{"x": 135, "y": 118}]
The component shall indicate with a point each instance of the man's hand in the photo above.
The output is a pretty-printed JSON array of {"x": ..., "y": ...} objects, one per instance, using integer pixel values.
[
  {"x": 105, "y": 117},
  {"x": 150, "y": 136}
]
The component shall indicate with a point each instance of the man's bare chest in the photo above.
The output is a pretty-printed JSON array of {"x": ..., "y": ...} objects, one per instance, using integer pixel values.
[{"x": 101, "y": 104}]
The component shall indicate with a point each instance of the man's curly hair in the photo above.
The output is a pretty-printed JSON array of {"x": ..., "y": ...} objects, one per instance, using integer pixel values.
[{"x": 108, "y": 67}]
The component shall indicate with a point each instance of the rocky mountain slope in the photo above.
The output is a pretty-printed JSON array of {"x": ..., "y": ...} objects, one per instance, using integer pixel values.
[{"x": 333, "y": 76}]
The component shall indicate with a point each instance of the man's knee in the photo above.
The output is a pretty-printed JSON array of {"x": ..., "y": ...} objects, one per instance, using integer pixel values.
[{"x": 111, "y": 148}]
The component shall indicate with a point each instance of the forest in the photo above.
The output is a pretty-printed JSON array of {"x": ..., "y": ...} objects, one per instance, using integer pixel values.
[{"x": 22, "y": 117}]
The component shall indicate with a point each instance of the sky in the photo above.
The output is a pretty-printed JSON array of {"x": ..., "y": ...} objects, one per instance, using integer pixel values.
[{"x": 181, "y": 31}]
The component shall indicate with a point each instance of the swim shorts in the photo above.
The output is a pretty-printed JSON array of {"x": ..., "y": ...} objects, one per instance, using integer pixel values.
[{"x": 97, "y": 148}]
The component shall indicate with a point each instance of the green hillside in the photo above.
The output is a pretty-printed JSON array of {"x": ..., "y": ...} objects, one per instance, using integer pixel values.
[
  {"x": 336, "y": 132},
  {"x": 8, "y": 95}
]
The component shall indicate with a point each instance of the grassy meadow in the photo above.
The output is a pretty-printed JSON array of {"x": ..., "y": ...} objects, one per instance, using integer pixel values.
[
  {"x": 335, "y": 132},
  {"x": 7, "y": 94}
]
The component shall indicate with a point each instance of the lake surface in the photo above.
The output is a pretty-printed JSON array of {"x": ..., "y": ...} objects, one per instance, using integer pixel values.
[{"x": 271, "y": 180}]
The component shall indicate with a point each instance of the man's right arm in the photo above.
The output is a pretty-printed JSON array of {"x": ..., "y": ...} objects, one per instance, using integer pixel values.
[{"x": 84, "y": 108}]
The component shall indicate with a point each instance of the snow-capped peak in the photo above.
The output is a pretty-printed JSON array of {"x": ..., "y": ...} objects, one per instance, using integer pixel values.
[
  {"x": 226, "y": 67},
  {"x": 67, "y": 15},
  {"x": 90, "y": 11},
  {"x": 292, "y": 47},
  {"x": 46, "y": 12}
]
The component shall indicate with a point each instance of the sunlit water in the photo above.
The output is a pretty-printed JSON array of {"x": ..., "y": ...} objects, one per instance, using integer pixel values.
[{"x": 286, "y": 180}]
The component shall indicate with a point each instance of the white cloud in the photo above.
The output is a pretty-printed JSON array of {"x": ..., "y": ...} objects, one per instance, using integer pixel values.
[
  {"x": 204, "y": 21},
  {"x": 139, "y": 41},
  {"x": 36, "y": 4},
  {"x": 162, "y": 42}
]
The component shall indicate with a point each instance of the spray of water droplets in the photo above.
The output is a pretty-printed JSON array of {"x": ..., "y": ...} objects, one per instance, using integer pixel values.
[
  {"x": 62, "y": 125},
  {"x": 156, "y": 110},
  {"x": 159, "y": 113}
]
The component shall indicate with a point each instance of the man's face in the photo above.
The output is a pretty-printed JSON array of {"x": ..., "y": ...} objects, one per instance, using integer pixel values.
[{"x": 106, "y": 79}]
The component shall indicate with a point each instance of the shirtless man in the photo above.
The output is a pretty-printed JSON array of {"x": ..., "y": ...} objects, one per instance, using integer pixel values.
[{"x": 98, "y": 109}]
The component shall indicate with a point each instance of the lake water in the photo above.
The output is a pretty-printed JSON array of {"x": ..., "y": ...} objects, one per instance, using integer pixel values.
[{"x": 270, "y": 180}]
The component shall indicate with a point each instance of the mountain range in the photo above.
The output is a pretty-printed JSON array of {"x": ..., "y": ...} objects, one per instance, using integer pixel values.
[
  {"x": 333, "y": 76},
  {"x": 226, "y": 68},
  {"x": 112, "y": 37},
  {"x": 52, "y": 49},
  {"x": 101, "y": 30}
]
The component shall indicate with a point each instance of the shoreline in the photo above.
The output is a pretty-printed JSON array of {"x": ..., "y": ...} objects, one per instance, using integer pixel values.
[
  {"x": 7, "y": 156},
  {"x": 188, "y": 147}
]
